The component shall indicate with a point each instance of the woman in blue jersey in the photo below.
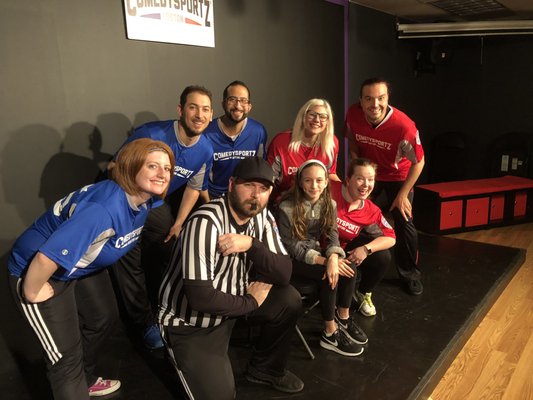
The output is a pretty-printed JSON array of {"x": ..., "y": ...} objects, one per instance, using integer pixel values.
[{"x": 57, "y": 266}]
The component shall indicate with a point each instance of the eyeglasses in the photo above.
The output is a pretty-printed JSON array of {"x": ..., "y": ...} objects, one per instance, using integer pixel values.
[
  {"x": 311, "y": 115},
  {"x": 234, "y": 100}
]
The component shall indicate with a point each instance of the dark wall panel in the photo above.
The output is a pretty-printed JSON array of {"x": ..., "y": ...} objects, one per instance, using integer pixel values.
[
  {"x": 485, "y": 89},
  {"x": 72, "y": 87}
]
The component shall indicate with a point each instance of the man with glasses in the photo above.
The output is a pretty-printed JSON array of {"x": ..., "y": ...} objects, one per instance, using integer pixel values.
[
  {"x": 234, "y": 136},
  {"x": 230, "y": 263},
  {"x": 385, "y": 135}
]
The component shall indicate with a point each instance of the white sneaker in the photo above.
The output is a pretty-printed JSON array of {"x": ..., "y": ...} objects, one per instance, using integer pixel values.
[{"x": 366, "y": 307}]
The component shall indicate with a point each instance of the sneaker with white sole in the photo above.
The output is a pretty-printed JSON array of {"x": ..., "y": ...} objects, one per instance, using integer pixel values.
[
  {"x": 351, "y": 329},
  {"x": 340, "y": 343},
  {"x": 366, "y": 307},
  {"x": 103, "y": 386}
]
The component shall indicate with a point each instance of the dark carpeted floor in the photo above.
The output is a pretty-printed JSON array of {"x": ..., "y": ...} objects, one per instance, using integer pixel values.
[{"x": 412, "y": 340}]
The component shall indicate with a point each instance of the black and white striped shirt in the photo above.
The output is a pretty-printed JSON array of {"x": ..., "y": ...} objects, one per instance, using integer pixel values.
[{"x": 195, "y": 262}]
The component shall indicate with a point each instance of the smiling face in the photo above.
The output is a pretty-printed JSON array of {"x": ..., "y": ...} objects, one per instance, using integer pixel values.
[
  {"x": 313, "y": 181},
  {"x": 315, "y": 120},
  {"x": 196, "y": 114},
  {"x": 154, "y": 176},
  {"x": 237, "y": 104},
  {"x": 374, "y": 102},
  {"x": 361, "y": 183}
]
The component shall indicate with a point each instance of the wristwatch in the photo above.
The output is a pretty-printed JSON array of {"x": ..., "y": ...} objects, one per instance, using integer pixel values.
[{"x": 368, "y": 250}]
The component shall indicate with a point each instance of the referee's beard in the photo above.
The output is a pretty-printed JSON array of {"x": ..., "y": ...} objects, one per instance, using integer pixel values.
[{"x": 244, "y": 208}]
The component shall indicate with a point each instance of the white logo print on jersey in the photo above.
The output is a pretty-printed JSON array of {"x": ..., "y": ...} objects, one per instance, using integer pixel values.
[{"x": 126, "y": 240}]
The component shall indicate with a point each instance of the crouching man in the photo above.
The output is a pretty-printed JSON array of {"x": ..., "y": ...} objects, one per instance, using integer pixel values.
[{"x": 230, "y": 263}]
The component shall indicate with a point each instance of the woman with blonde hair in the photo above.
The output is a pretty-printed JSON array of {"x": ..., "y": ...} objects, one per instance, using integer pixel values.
[{"x": 312, "y": 137}]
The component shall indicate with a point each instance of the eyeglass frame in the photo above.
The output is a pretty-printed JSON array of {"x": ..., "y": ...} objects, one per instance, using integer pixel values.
[
  {"x": 235, "y": 100},
  {"x": 311, "y": 115}
]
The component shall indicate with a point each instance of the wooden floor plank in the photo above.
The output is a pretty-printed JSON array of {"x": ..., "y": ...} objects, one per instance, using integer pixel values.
[{"x": 496, "y": 363}]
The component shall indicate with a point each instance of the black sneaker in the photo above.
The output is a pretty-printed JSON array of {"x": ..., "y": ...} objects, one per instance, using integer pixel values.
[
  {"x": 351, "y": 329},
  {"x": 340, "y": 343},
  {"x": 288, "y": 382},
  {"x": 414, "y": 287}
]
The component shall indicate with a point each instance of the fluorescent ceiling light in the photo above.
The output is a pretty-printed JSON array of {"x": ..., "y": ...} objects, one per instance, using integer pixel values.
[{"x": 478, "y": 28}]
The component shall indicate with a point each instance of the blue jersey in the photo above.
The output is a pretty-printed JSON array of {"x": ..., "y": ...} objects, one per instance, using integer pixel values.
[
  {"x": 193, "y": 163},
  {"x": 227, "y": 152},
  {"x": 84, "y": 232}
]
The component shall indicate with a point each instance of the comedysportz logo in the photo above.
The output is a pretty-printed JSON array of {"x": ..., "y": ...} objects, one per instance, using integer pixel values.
[
  {"x": 373, "y": 142},
  {"x": 348, "y": 226},
  {"x": 182, "y": 172},
  {"x": 129, "y": 238},
  {"x": 193, "y": 12},
  {"x": 230, "y": 155}
]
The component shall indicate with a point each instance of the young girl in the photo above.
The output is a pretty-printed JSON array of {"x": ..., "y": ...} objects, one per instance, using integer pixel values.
[
  {"x": 363, "y": 231},
  {"x": 308, "y": 230}
]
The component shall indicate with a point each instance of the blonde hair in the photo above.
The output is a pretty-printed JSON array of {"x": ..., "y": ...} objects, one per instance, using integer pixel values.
[
  {"x": 326, "y": 141},
  {"x": 130, "y": 160}
]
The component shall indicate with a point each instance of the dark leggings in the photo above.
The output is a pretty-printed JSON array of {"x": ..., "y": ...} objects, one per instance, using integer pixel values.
[
  {"x": 329, "y": 298},
  {"x": 374, "y": 267}
]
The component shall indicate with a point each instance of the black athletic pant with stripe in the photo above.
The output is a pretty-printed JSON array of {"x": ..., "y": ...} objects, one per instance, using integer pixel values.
[
  {"x": 200, "y": 355},
  {"x": 71, "y": 326}
]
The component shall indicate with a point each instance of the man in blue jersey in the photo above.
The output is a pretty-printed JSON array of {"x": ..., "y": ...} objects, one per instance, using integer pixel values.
[
  {"x": 138, "y": 273},
  {"x": 233, "y": 136}
]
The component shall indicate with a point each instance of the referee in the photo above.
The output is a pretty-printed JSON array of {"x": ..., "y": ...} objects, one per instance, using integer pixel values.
[{"x": 229, "y": 262}]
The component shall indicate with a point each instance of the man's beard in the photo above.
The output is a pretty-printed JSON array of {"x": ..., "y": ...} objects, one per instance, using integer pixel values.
[
  {"x": 241, "y": 209},
  {"x": 187, "y": 129},
  {"x": 229, "y": 116}
]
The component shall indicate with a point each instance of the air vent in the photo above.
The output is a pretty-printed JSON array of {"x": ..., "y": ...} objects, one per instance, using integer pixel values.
[{"x": 473, "y": 9}]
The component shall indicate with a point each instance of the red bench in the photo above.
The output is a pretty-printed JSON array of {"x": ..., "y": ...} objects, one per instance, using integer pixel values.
[{"x": 449, "y": 207}]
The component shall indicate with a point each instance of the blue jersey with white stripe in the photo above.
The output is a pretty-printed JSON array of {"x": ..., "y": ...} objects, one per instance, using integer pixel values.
[
  {"x": 227, "y": 152},
  {"x": 193, "y": 163},
  {"x": 84, "y": 232}
]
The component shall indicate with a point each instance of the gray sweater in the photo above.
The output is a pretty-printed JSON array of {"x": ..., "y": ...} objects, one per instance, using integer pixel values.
[{"x": 306, "y": 250}]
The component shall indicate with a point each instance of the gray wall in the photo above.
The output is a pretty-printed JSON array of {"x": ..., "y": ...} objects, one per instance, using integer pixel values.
[
  {"x": 72, "y": 86},
  {"x": 68, "y": 69}
]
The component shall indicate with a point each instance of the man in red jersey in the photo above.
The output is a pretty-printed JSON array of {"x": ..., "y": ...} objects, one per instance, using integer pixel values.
[{"x": 385, "y": 135}]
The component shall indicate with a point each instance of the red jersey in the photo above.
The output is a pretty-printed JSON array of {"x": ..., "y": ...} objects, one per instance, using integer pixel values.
[
  {"x": 393, "y": 145},
  {"x": 285, "y": 163},
  {"x": 351, "y": 223}
]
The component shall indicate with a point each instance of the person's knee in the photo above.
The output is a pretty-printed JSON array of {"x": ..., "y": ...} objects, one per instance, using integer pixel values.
[{"x": 291, "y": 298}]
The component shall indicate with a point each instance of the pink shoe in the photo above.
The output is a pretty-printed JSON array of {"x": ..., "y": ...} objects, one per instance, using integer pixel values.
[{"x": 104, "y": 386}]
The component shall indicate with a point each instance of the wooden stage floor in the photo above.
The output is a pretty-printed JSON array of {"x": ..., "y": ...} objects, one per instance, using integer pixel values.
[{"x": 412, "y": 340}]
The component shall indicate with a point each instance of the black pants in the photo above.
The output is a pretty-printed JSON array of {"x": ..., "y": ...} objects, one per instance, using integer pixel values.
[
  {"x": 138, "y": 274},
  {"x": 200, "y": 355},
  {"x": 373, "y": 269},
  {"x": 71, "y": 326},
  {"x": 340, "y": 296},
  {"x": 406, "y": 248}
]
